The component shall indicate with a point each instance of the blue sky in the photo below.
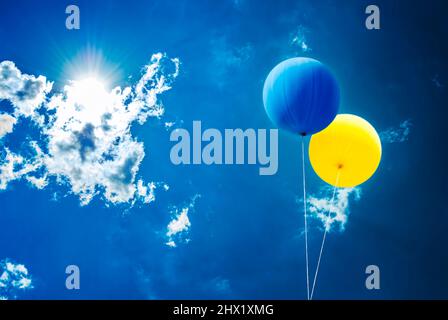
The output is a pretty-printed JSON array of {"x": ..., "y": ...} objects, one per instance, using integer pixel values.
[{"x": 237, "y": 234}]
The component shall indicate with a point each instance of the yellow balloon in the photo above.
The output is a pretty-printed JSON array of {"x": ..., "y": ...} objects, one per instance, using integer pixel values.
[{"x": 347, "y": 152}]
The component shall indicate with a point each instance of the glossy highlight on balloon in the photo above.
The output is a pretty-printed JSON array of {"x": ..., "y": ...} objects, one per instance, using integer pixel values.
[
  {"x": 346, "y": 153},
  {"x": 301, "y": 95}
]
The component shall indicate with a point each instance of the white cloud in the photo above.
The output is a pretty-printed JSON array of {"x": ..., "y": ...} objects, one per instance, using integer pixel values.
[
  {"x": 169, "y": 124},
  {"x": 39, "y": 183},
  {"x": 14, "y": 166},
  {"x": 146, "y": 192},
  {"x": 7, "y": 123},
  {"x": 332, "y": 213},
  {"x": 299, "y": 39},
  {"x": 13, "y": 279},
  {"x": 25, "y": 92},
  {"x": 171, "y": 244},
  {"x": 180, "y": 224},
  {"x": 87, "y": 132},
  {"x": 221, "y": 285},
  {"x": 400, "y": 134},
  {"x": 228, "y": 59}
]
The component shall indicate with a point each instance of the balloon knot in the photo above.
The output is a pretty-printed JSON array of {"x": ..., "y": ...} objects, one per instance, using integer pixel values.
[{"x": 340, "y": 166}]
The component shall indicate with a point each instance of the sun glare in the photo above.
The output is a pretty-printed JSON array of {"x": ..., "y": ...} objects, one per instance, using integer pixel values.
[{"x": 90, "y": 92}]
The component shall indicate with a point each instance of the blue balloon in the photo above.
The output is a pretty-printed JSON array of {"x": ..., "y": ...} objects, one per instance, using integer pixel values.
[{"x": 301, "y": 95}]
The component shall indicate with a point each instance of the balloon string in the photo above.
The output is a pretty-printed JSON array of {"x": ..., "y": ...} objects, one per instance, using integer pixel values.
[
  {"x": 305, "y": 218},
  {"x": 325, "y": 235}
]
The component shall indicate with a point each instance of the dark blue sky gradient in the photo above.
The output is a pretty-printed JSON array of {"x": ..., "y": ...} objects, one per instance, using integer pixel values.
[{"x": 245, "y": 228}]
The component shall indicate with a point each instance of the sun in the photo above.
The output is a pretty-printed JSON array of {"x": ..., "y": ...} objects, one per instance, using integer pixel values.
[
  {"x": 91, "y": 98},
  {"x": 91, "y": 62},
  {"x": 89, "y": 92}
]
